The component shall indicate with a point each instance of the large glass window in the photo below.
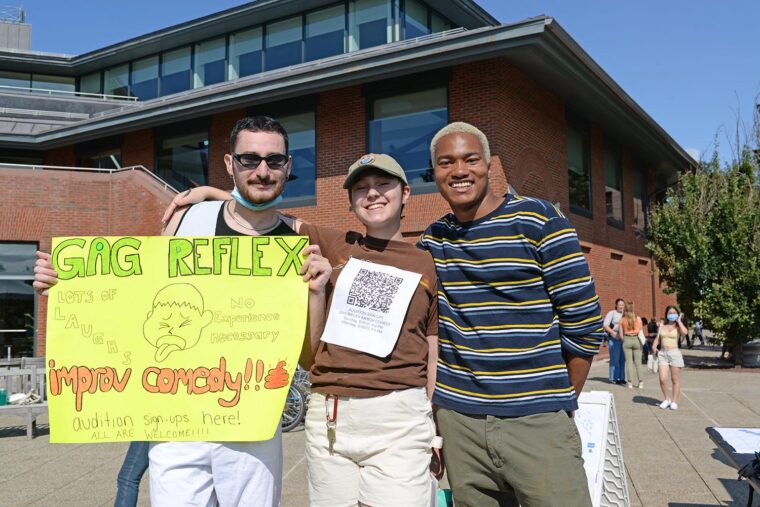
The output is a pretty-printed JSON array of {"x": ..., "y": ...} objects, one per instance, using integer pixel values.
[
  {"x": 403, "y": 126},
  {"x": 175, "y": 71},
  {"x": 283, "y": 43},
  {"x": 17, "y": 302},
  {"x": 90, "y": 83},
  {"x": 301, "y": 129},
  {"x": 439, "y": 23},
  {"x": 639, "y": 198},
  {"x": 325, "y": 33},
  {"x": 106, "y": 159},
  {"x": 183, "y": 160},
  {"x": 145, "y": 78},
  {"x": 15, "y": 79},
  {"x": 369, "y": 23},
  {"x": 613, "y": 182},
  {"x": 117, "y": 80},
  {"x": 245, "y": 53},
  {"x": 55, "y": 83},
  {"x": 579, "y": 164},
  {"x": 415, "y": 19},
  {"x": 210, "y": 62}
]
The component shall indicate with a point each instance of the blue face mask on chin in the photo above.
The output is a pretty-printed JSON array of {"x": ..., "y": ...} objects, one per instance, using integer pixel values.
[
  {"x": 672, "y": 317},
  {"x": 251, "y": 206}
]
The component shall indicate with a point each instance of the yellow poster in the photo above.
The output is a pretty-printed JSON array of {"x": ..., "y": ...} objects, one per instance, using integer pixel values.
[{"x": 173, "y": 338}]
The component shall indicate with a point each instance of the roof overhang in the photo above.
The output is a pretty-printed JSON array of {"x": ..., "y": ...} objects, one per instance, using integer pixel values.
[{"x": 538, "y": 46}]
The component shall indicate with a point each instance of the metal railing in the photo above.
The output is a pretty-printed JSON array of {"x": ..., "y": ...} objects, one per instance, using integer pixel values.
[
  {"x": 50, "y": 92},
  {"x": 36, "y": 167}
]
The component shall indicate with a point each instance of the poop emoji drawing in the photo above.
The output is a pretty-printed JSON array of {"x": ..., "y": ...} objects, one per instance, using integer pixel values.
[{"x": 176, "y": 320}]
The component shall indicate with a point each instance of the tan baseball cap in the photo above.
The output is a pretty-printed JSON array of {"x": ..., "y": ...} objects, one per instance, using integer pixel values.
[{"x": 383, "y": 162}]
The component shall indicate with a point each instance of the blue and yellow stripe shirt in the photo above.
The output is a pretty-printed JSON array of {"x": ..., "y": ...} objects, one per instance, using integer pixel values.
[{"x": 514, "y": 291}]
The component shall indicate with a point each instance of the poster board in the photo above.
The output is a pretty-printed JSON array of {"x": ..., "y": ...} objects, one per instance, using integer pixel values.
[
  {"x": 602, "y": 450},
  {"x": 168, "y": 338}
]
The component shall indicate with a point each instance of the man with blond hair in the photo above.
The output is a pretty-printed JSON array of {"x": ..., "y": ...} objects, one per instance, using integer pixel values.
[{"x": 519, "y": 322}]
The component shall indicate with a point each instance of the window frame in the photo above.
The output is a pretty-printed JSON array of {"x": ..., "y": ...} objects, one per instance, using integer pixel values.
[
  {"x": 401, "y": 86},
  {"x": 35, "y": 297},
  {"x": 618, "y": 224},
  {"x": 583, "y": 125},
  {"x": 164, "y": 132}
]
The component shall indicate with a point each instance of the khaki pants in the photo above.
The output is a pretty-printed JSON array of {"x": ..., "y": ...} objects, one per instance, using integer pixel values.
[
  {"x": 509, "y": 461},
  {"x": 632, "y": 350}
]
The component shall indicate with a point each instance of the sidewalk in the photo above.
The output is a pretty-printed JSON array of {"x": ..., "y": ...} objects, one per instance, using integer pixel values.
[{"x": 669, "y": 459}]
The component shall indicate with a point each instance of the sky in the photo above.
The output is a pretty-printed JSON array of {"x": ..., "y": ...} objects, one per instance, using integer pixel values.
[{"x": 692, "y": 65}]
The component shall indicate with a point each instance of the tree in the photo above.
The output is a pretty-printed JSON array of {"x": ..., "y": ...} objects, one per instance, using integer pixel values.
[{"x": 705, "y": 237}]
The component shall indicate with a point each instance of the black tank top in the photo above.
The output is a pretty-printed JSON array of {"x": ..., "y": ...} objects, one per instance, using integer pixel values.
[{"x": 222, "y": 229}]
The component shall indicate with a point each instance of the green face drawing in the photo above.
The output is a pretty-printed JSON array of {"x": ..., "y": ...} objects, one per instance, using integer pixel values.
[{"x": 176, "y": 320}]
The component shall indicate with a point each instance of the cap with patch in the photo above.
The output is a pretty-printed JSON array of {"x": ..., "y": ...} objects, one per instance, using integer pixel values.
[{"x": 382, "y": 162}]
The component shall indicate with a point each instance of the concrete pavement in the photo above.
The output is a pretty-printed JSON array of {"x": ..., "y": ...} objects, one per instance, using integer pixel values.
[{"x": 669, "y": 459}]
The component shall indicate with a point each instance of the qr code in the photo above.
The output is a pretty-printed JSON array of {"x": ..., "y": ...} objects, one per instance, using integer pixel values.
[{"x": 373, "y": 290}]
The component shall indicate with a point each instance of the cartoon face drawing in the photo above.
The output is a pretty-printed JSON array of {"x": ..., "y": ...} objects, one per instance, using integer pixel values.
[{"x": 176, "y": 320}]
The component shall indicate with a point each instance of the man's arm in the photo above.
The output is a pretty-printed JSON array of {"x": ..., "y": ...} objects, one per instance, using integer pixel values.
[{"x": 571, "y": 289}]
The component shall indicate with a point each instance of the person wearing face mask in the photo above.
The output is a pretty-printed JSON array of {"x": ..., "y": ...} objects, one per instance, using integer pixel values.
[{"x": 669, "y": 357}]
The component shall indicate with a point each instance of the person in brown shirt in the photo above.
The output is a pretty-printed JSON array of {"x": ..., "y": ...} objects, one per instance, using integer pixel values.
[{"x": 369, "y": 427}]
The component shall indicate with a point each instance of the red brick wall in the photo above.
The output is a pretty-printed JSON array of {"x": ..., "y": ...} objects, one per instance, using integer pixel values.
[
  {"x": 44, "y": 204},
  {"x": 138, "y": 148}
]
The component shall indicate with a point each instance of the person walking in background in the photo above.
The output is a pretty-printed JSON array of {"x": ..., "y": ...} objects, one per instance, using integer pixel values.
[
  {"x": 669, "y": 357},
  {"x": 684, "y": 335},
  {"x": 646, "y": 347},
  {"x": 698, "y": 332},
  {"x": 615, "y": 344},
  {"x": 628, "y": 331}
]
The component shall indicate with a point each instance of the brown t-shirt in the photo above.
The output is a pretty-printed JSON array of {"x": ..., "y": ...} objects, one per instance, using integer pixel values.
[{"x": 347, "y": 372}]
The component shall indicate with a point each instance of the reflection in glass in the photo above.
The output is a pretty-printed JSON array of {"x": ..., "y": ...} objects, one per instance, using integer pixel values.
[
  {"x": 578, "y": 162},
  {"x": 210, "y": 62},
  {"x": 90, "y": 83},
  {"x": 16, "y": 79},
  {"x": 17, "y": 312},
  {"x": 369, "y": 23},
  {"x": 55, "y": 83},
  {"x": 175, "y": 71},
  {"x": 117, "y": 80},
  {"x": 301, "y": 130},
  {"x": 439, "y": 23},
  {"x": 613, "y": 180},
  {"x": 404, "y": 125},
  {"x": 145, "y": 78},
  {"x": 325, "y": 33},
  {"x": 109, "y": 159},
  {"x": 283, "y": 43},
  {"x": 245, "y": 53},
  {"x": 639, "y": 199},
  {"x": 183, "y": 160},
  {"x": 415, "y": 19}
]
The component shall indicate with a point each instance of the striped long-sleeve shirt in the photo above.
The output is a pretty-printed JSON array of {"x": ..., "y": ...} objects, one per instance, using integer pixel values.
[{"x": 514, "y": 291}]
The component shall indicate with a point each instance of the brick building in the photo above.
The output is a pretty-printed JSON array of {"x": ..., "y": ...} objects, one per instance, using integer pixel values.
[{"x": 96, "y": 144}]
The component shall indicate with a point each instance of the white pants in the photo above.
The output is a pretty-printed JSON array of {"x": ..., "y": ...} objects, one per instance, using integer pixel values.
[
  {"x": 381, "y": 454},
  {"x": 206, "y": 474}
]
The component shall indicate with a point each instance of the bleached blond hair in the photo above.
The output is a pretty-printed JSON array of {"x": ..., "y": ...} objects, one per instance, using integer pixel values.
[{"x": 460, "y": 127}]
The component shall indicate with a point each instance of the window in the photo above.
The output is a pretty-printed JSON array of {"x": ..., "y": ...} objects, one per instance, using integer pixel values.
[
  {"x": 56, "y": 83},
  {"x": 579, "y": 165},
  {"x": 210, "y": 62},
  {"x": 439, "y": 23},
  {"x": 15, "y": 79},
  {"x": 415, "y": 19},
  {"x": 145, "y": 78},
  {"x": 106, "y": 159},
  {"x": 613, "y": 181},
  {"x": 301, "y": 129},
  {"x": 90, "y": 83},
  {"x": 403, "y": 126},
  {"x": 325, "y": 33},
  {"x": 369, "y": 23},
  {"x": 17, "y": 302},
  {"x": 175, "y": 71},
  {"x": 245, "y": 53},
  {"x": 639, "y": 199},
  {"x": 183, "y": 160},
  {"x": 283, "y": 43},
  {"x": 117, "y": 80}
]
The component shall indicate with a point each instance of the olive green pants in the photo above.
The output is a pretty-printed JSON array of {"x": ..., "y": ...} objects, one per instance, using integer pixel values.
[
  {"x": 529, "y": 461},
  {"x": 632, "y": 351}
]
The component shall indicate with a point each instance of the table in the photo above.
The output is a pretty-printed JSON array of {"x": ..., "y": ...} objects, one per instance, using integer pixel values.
[{"x": 737, "y": 460}]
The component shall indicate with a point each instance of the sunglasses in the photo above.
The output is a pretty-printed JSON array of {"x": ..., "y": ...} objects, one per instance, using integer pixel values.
[{"x": 252, "y": 160}]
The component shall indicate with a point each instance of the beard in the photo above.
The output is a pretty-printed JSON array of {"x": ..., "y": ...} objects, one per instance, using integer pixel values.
[{"x": 245, "y": 187}]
